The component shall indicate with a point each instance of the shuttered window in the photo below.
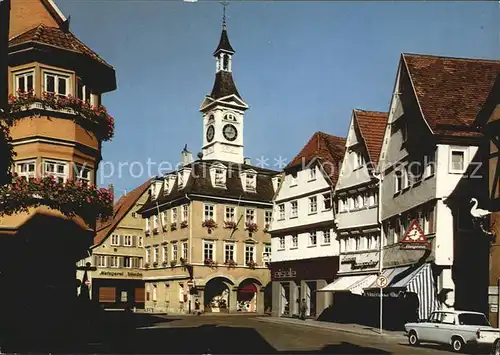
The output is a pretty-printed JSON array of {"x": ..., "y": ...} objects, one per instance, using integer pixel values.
[{"x": 107, "y": 294}]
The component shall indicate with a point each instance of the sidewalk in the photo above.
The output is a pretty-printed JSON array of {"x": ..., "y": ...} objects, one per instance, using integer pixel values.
[{"x": 349, "y": 328}]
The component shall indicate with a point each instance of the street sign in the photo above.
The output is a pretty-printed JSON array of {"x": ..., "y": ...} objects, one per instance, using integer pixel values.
[
  {"x": 190, "y": 283},
  {"x": 414, "y": 238},
  {"x": 382, "y": 281}
]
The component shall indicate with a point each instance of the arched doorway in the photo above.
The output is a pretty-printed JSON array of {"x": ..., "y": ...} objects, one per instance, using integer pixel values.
[
  {"x": 216, "y": 295},
  {"x": 247, "y": 295}
]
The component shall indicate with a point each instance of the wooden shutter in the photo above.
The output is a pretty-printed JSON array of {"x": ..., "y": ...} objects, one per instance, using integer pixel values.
[
  {"x": 139, "y": 294},
  {"x": 107, "y": 294}
]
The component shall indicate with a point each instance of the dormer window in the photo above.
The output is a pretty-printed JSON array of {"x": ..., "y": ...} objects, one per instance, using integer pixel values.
[
  {"x": 24, "y": 81},
  {"x": 293, "y": 179},
  {"x": 312, "y": 173},
  {"x": 180, "y": 180},
  {"x": 211, "y": 119},
  {"x": 219, "y": 177},
  {"x": 251, "y": 181},
  {"x": 84, "y": 93},
  {"x": 359, "y": 160}
]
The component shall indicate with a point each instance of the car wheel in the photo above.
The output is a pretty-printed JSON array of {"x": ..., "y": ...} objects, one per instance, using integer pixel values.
[
  {"x": 496, "y": 347},
  {"x": 413, "y": 338},
  {"x": 457, "y": 344}
]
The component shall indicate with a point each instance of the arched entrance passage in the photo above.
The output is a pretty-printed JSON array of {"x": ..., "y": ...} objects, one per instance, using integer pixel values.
[
  {"x": 216, "y": 294},
  {"x": 248, "y": 292}
]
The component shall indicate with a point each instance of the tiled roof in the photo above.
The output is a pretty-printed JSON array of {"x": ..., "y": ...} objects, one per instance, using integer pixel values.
[
  {"x": 372, "y": 126},
  {"x": 200, "y": 183},
  {"x": 224, "y": 86},
  {"x": 224, "y": 42},
  {"x": 325, "y": 147},
  {"x": 121, "y": 208},
  {"x": 451, "y": 91},
  {"x": 53, "y": 36}
]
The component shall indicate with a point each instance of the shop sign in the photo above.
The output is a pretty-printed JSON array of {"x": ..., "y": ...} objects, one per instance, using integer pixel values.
[
  {"x": 121, "y": 274},
  {"x": 284, "y": 274},
  {"x": 384, "y": 294},
  {"x": 414, "y": 238}
]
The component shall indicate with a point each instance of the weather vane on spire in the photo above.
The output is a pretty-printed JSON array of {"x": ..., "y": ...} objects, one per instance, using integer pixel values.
[{"x": 224, "y": 4}]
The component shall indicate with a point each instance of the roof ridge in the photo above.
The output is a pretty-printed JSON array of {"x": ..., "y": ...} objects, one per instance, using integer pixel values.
[{"x": 451, "y": 57}]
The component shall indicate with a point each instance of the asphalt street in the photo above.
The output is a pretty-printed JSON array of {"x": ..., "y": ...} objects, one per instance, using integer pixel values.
[{"x": 247, "y": 335}]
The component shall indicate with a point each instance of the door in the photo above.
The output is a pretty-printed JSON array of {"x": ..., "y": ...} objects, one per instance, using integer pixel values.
[
  {"x": 446, "y": 327},
  {"x": 425, "y": 329}
]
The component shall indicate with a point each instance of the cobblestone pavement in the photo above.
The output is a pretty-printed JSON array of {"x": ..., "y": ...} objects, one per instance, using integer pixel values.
[{"x": 248, "y": 335}]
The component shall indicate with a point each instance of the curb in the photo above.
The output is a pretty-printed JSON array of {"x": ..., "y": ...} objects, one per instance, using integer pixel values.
[{"x": 307, "y": 324}]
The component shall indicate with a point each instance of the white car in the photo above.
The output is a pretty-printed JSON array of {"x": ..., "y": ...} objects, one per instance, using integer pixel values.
[{"x": 456, "y": 328}]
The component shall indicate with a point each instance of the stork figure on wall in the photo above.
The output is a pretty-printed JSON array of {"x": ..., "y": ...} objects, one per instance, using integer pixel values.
[{"x": 480, "y": 215}]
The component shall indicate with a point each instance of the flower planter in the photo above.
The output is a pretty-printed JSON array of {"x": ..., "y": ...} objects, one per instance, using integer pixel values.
[
  {"x": 155, "y": 231},
  {"x": 252, "y": 264},
  {"x": 146, "y": 266},
  {"x": 173, "y": 263},
  {"x": 155, "y": 264},
  {"x": 209, "y": 224},
  {"x": 251, "y": 227},
  {"x": 230, "y": 225},
  {"x": 230, "y": 263},
  {"x": 164, "y": 264},
  {"x": 184, "y": 224},
  {"x": 70, "y": 198},
  {"x": 173, "y": 226},
  {"x": 93, "y": 118}
]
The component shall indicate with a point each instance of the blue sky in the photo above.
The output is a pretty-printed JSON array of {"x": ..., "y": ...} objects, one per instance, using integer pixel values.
[{"x": 302, "y": 66}]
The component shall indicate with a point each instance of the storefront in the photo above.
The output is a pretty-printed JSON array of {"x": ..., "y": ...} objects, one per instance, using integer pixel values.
[
  {"x": 295, "y": 280},
  {"x": 118, "y": 293}
]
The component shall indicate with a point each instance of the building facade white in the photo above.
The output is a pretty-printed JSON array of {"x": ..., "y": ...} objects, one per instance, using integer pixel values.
[{"x": 304, "y": 248}]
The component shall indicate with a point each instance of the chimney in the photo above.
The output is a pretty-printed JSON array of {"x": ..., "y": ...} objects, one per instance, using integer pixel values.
[
  {"x": 247, "y": 161},
  {"x": 186, "y": 156},
  {"x": 111, "y": 189}
]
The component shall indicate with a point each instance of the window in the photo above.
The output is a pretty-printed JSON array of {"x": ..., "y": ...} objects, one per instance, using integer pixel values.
[
  {"x": 156, "y": 255},
  {"x": 219, "y": 178},
  {"x": 174, "y": 215},
  {"x": 429, "y": 221},
  {"x": 115, "y": 239},
  {"x": 230, "y": 117},
  {"x": 313, "y": 204},
  {"x": 281, "y": 210},
  {"x": 163, "y": 219},
  {"x": 229, "y": 252},
  {"x": 208, "y": 250},
  {"x": 295, "y": 241},
  {"x": 250, "y": 215},
  {"x": 209, "y": 212},
  {"x": 148, "y": 227},
  {"x": 180, "y": 180},
  {"x": 398, "y": 181},
  {"x": 457, "y": 161},
  {"x": 134, "y": 215},
  {"x": 127, "y": 240},
  {"x": 268, "y": 217},
  {"x": 155, "y": 293},
  {"x": 293, "y": 179},
  {"x": 312, "y": 173},
  {"x": 141, "y": 242},
  {"x": 185, "y": 250},
  {"x": 57, "y": 169},
  {"x": 313, "y": 240},
  {"x": 184, "y": 213},
  {"x": 230, "y": 214},
  {"x": 326, "y": 236},
  {"x": 136, "y": 263},
  {"x": 294, "y": 209},
  {"x": 26, "y": 169},
  {"x": 359, "y": 160},
  {"x": 82, "y": 173},
  {"x": 101, "y": 260},
  {"x": 84, "y": 93},
  {"x": 429, "y": 165},
  {"x": 148, "y": 255},
  {"x": 250, "y": 181},
  {"x": 127, "y": 261},
  {"x": 57, "y": 84},
  {"x": 155, "y": 221},
  {"x": 249, "y": 254},
  {"x": 175, "y": 252},
  {"x": 327, "y": 201},
  {"x": 357, "y": 242},
  {"x": 267, "y": 249},
  {"x": 165, "y": 253},
  {"x": 342, "y": 205},
  {"x": 282, "y": 242},
  {"x": 24, "y": 81},
  {"x": 113, "y": 261}
]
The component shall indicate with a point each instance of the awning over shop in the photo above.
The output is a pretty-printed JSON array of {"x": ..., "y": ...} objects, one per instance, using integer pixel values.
[
  {"x": 353, "y": 283},
  {"x": 419, "y": 281}
]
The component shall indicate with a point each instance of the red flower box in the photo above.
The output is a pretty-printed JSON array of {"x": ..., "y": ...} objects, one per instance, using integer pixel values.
[
  {"x": 251, "y": 227},
  {"x": 230, "y": 225},
  {"x": 184, "y": 224}
]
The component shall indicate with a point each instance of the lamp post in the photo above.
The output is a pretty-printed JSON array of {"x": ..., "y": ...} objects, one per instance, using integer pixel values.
[{"x": 381, "y": 247}]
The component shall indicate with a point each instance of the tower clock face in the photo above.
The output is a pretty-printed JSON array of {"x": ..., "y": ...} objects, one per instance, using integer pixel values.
[
  {"x": 230, "y": 132},
  {"x": 210, "y": 133}
]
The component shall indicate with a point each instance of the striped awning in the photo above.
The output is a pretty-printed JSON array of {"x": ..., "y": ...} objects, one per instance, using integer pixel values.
[
  {"x": 421, "y": 282},
  {"x": 352, "y": 283},
  {"x": 390, "y": 274}
]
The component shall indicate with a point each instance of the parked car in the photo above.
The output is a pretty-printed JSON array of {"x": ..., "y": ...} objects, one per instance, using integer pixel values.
[{"x": 459, "y": 329}]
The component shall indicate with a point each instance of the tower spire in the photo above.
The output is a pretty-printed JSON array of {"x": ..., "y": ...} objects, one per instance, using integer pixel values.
[{"x": 224, "y": 4}]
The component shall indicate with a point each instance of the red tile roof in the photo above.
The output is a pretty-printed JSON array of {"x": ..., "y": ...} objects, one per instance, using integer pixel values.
[
  {"x": 451, "y": 91},
  {"x": 325, "y": 147},
  {"x": 372, "y": 126},
  {"x": 121, "y": 208},
  {"x": 56, "y": 37}
]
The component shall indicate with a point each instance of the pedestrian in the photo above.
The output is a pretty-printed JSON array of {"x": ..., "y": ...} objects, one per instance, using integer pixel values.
[
  {"x": 303, "y": 309},
  {"x": 197, "y": 307}
]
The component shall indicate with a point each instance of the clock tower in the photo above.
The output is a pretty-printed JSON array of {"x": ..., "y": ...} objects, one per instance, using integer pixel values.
[{"x": 223, "y": 110}]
